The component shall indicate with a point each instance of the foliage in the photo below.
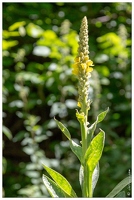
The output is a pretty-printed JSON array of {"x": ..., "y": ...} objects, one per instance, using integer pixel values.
[{"x": 39, "y": 46}]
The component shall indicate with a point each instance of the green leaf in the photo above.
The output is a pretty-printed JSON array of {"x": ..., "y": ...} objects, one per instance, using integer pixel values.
[
  {"x": 94, "y": 151},
  {"x": 95, "y": 176},
  {"x": 63, "y": 129},
  {"x": 7, "y": 34},
  {"x": 16, "y": 25},
  {"x": 91, "y": 177},
  {"x": 102, "y": 115},
  {"x": 81, "y": 175},
  {"x": 77, "y": 149},
  {"x": 7, "y": 132},
  {"x": 61, "y": 181},
  {"x": 126, "y": 181},
  {"x": 34, "y": 30},
  {"x": 8, "y": 44},
  {"x": 92, "y": 128},
  {"x": 91, "y": 159},
  {"x": 121, "y": 194},
  {"x": 74, "y": 146},
  {"x": 53, "y": 189}
]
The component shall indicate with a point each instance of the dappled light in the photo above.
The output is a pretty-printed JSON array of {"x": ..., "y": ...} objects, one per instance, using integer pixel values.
[{"x": 40, "y": 86}]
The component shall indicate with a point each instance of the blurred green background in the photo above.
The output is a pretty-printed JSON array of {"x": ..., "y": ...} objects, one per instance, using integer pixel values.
[{"x": 40, "y": 42}]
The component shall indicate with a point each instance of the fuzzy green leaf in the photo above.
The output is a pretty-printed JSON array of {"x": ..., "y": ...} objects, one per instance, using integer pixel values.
[
  {"x": 74, "y": 146},
  {"x": 77, "y": 149},
  {"x": 126, "y": 181},
  {"x": 61, "y": 181},
  {"x": 53, "y": 189},
  {"x": 92, "y": 128},
  {"x": 94, "y": 151},
  {"x": 81, "y": 175},
  {"x": 95, "y": 176},
  {"x": 63, "y": 129},
  {"x": 102, "y": 115}
]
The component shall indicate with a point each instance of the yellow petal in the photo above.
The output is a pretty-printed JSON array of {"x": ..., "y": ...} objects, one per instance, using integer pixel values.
[
  {"x": 75, "y": 71},
  {"x": 78, "y": 104},
  {"x": 75, "y": 65},
  {"x": 83, "y": 65},
  {"x": 90, "y": 63},
  {"x": 89, "y": 69},
  {"x": 77, "y": 59}
]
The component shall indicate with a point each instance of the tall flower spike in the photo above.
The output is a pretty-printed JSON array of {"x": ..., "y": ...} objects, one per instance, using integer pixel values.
[{"x": 82, "y": 68}]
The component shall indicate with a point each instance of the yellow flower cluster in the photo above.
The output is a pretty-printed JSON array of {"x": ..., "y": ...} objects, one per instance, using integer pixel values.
[{"x": 84, "y": 67}]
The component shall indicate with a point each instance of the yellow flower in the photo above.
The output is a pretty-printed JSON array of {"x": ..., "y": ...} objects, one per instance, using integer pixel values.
[
  {"x": 89, "y": 69},
  {"x": 79, "y": 104},
  {"x": 90, "y": 63},
  {"x": 75, "y": 70},
  {"x": 77, "y": 59},
  {"x": 83, "y": 65},
  {"x": 82, "y": 68}
]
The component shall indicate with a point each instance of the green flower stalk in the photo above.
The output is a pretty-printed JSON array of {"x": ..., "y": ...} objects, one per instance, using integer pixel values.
[
  {"x": 90, "y": 149},
  {"x": 82, "y": 68}
]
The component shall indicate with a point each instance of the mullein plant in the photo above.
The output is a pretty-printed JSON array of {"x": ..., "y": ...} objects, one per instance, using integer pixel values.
[{"x": 89, "y": 150}]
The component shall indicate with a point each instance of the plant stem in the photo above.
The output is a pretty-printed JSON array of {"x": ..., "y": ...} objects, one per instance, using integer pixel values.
[
  {"x": 82, "y": 68},
  {"x": 87, "y": 182},
  {"x": 84, "y": 138},
  {"x": 84, "y": 126}
]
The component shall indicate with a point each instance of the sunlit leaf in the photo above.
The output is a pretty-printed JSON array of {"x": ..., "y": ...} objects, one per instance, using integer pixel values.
[
  {"x": 49, "y": 34},
  {"x": 63, "y": 129},
  {"x": 74, "y": 146},
  {"x": 92, "y": 128},
  {"x": 81, "y": 175},
  {"x": 102, "y": 115},
  {"x": 77, "y": 149},
  {"x": 94, "y": 151},
  {"x": 95, "y": 176},
  {"x": 7, "y": 34},
  {"x": 16, "y": 25},
  {"x": 34, "y": 30},
  {"x": 109, "y": 39},
  {"x": 53, "y": 189},
  {"x": 61, "y": 181},
  {"x": 8, "y": 44}
]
